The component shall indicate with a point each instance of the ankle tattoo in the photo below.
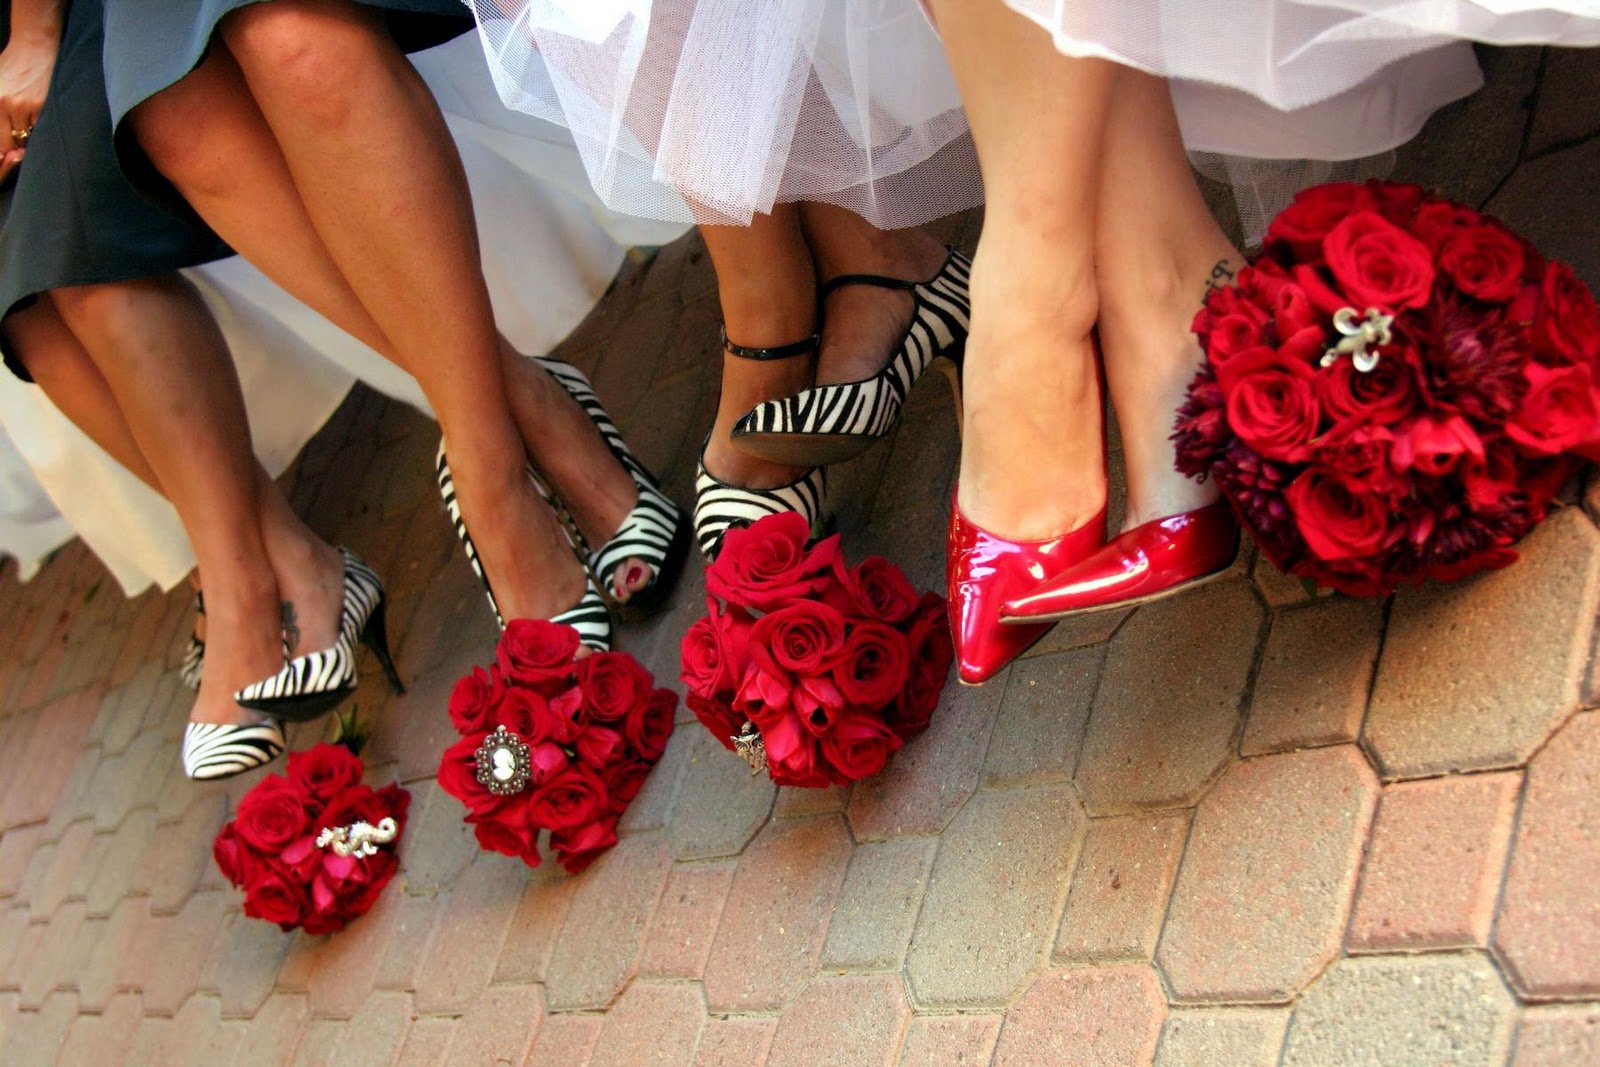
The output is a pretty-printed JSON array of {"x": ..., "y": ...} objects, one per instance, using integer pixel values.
[
  {"x": 291, "y": 625},
  {"x": 1222, "y": 275}
]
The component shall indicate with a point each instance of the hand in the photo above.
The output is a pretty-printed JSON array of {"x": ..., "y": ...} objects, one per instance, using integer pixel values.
[{"x": 26, "y": 65}]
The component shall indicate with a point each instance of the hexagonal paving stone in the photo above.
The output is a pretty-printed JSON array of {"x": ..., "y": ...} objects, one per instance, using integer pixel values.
[
  {"x": 1559, "y": 1035},
  {"x": 1265, "y": 886},
  {"x": 600, "y": 942},
  {"x": 950, "y": 1041},
  {"x": 855, "y": 1019},
  {"x": 1312, "y": 686},
  {"x": 650, "y": 1023},
  {"x": 1167, "y": 710},
  {"x": 1403, "y": 1009},
  {"x": 464, "y": 947},
  {"x": 720, "y": 804},
  {"x": 882, "y": 892},
  {"x": 1209, "y": 1037},
  {"x": 1549, "y": 926},
  {"x": 1452, "y": 692},
  {"x": 776, "y": 914},
  {"x": 990, "y": 909},
  {"x": 1042, "y": 718},
  {"x": 1120, "y": 889},
  {"x": 1098, "y": 1017}
]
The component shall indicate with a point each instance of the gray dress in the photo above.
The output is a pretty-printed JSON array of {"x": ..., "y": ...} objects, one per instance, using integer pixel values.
[
  {"x": 69, "y": 217},
  {"x": 153, "y": 44}
]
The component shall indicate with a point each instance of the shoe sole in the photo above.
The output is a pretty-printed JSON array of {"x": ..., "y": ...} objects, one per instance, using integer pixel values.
[
  {"x": 1148, "y": 598},
  {"x": 303, "y": 708}
]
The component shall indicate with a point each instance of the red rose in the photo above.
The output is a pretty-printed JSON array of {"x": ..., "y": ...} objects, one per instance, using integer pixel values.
[
  {"x": 276, "y": 895},
  {"x": 762, "y": 695},
  {"x": 798, "y": 639},
  {"x": 1559, "y": 413},
  {"x": 792, "y": 755},
  {"x": 1484, "y": 262},
  {"x": 534, "y": 650},
  {"x": 509, "y": 832},
  {"x": 1378, "y": 264},
  {"x": 1272, "y": 404},
  {"x": 859, "y": 745},
  {"x": 577, "y": 848},
  {"x": 598, "y": 746},
  {"x": 458, "y": 775},
  {"x": 1303, "y": 224},
  {"x": 1568, "y": 325},
  {"x": 473, "y": 700},
  {"x": 649, "y": 723},
  {"x": 763, "y": 565},
  {"x": 570, "y": 799},
  {"x": 235, "y": 859},
  {"x": 1433, "y": 446},
  {"x": 1293, "y": 314},
  {"x": 717, "y": 716},
  {"x": 271, "y": 815},
  {"x": 545, "y": 761},
  {"x": 872, "y": 669},
  {"x": 872, "y": 589},
  {"x": 714, "y": 650},
  {"x": 1339, "y": 518},
  {"x": 623, "y": 781},
  {"x": 1437, "y": 220},
  {"x": 931, "y": 654},
  {"x": 612, "y": 682},
  {"x": 1397, "y": 201},
  {"x": 324, "y": 769},
  {"x": 1359, "y": 449},
  {"x": 533, "y": 718},
  {"x": 1382, "y": 396}
]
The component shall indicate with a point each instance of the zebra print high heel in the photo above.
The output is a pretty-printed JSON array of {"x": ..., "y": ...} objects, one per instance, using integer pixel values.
[
  {"x": 832, "y": 423},
  {"x": 656, "y": 531},
  {"x": 719, "y": 507},
  {"x": 194, "y": 653},
  {"x": 589, "y": 616},
  {"x": 222, "y": 750},
  {"x": 313, "y": 684}
]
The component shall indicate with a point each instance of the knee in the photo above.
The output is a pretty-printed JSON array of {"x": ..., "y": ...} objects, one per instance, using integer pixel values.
[
  {"x": 306, "y": 55},
  {"x": 173, "y": 128},
  {"x": 109, "y": 310}
]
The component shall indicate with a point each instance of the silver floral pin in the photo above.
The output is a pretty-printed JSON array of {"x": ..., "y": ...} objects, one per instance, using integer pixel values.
[{"x": 1361, "y": 337}]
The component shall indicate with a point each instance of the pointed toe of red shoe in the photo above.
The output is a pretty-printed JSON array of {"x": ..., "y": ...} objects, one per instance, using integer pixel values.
[
  {"x": 1146, "y": 563},
  {"x": 983, "y": 571}
]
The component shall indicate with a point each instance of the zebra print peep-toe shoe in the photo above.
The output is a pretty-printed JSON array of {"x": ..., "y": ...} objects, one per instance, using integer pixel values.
[
  {"x": 656, "y": 531},
  {"x": 719, "y": 507},
  {"x": 194, "y": 653},
  {"x": 589, "y": 616},
  {"x": 315, "y": 683},
  {"x": 833, "y": 423},
  {"x": 222, "y": 750}
]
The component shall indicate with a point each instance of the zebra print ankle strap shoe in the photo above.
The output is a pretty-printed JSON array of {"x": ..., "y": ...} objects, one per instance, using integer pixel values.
[
  {"x": 194, "y": 653},
  {"x": 833, "y": 423},
  {"x": 656, "y": 531},
  {"x": 719, "y": 507},
  {"x": 589, "y": 616},
  {"x": 315, "y": 683},
  {"x": 222, "y": 750}
]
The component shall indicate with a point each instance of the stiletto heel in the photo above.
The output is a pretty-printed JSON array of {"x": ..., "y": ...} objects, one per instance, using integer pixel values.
[
  {"x": 375, "y": 635},
  {"x": 315, "y": 683},
  {"x": 589, "y": 616},
  {"x": 656, "y": 531},
  {"x": 833, "y": 423}
]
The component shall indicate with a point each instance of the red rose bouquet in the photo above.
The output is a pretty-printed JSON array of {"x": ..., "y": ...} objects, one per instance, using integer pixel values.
[
  {"x": 812, "y": 670},
  {"x": 1395, "y": 390},
  {"x": 313, "y": 849},
  {"x": 551, "y": 742}
]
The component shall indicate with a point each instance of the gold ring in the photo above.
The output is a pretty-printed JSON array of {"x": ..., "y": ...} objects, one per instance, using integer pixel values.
[{"x": 20, "y": 137}]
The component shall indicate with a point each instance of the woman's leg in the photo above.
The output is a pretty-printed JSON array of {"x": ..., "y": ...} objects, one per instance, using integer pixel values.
[
  {"x": 1031, "y": 443},
  {"x": 1157, "y": 250},
  {"x": 165, "y": 364},
  {"x": 210, "y": 136},
  {"x": 766, "y": 285},
  {"x": 861, "y": 325}
]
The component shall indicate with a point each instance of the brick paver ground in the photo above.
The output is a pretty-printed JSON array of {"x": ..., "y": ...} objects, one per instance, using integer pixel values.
[{"x": 1246, "y": 826}]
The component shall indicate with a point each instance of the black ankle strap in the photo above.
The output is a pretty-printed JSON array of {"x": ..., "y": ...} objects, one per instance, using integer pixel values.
[
  {"x": 833, "y": 284},
  {"x": 794, "y": 348}
]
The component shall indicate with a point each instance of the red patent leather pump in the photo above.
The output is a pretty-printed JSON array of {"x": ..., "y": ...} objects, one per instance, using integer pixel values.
[
  {"x": 1146, "y": 563},
  {"x": 984, "y": 571}
]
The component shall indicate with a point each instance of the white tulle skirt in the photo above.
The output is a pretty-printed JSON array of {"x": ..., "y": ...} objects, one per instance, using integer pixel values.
[
  {"x": 1295, "y": 53},
  {"x": 714, "y": 110}
]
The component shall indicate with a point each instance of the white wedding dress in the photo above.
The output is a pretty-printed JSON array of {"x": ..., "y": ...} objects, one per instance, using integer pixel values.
[{"x": 549, "y": 247}]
